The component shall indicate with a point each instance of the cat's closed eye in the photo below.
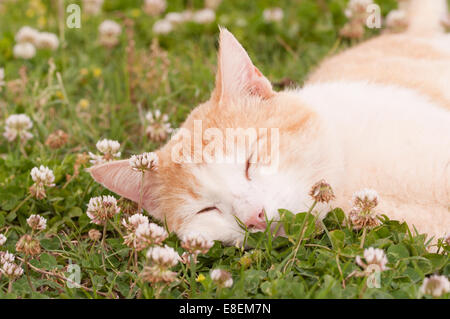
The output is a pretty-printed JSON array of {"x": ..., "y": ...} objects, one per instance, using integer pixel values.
[
  {"x": 247, "y": 169},
  {"x": 208, "y": 209}
]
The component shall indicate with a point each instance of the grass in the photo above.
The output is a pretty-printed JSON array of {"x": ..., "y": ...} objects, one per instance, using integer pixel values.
[{"x": 92, "y": 95}]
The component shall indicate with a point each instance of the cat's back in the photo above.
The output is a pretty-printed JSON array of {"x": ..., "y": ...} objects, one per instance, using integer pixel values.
[{"x": 417, "y": 63}]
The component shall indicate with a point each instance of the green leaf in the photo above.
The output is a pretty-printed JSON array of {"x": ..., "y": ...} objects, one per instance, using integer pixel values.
[
  {"x": 338, "y": 238},
  {"x": 50, "y": 243},
  {"x": 47, "y": 261},
  {"x": 437, "y": 260},
  {"x": 75, "y": 212},
  {"x": 398, "y": 251},
  {"x": 414, "y": 274},
  {"x": 334, "y": 219},
  {"x": 2, "y": 218}
]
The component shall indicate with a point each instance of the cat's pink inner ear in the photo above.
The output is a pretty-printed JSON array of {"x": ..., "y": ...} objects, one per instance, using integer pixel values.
[
  {"x": 236, "y": 73},
  {"x": 118, "y": 177}
]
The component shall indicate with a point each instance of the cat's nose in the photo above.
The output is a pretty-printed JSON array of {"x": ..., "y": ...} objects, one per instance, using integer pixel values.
[{"x": 257, "y": 221}]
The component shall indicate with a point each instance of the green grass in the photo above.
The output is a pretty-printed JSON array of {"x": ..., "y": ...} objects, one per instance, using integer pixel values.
[{"x": 325, "y": 260}]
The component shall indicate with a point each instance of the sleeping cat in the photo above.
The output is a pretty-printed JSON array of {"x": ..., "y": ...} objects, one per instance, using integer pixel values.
[{"x": 375, "y": 116}]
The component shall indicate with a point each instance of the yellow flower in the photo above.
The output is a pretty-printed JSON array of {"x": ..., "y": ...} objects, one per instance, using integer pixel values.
[
  {"x": 97, "y": 72},
  {"x": 200, "y": 278},
  {"x": 135, "y": 13},
  {"x": 29, "y": 13},
  {"x": 42, "y": 22},
  {"x": 59, "y": 95},
  {"x": 245, "y": 261},
  {"x": 84, "y": 71},
  {"x": 84, "y": 104}
]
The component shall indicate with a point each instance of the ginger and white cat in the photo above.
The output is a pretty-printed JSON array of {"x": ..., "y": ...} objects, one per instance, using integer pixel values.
[{"x": 375, "y": 116}]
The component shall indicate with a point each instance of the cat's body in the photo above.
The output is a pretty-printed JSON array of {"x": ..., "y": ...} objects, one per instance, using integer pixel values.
[
  {"x": 392, "y": 140},
  {"x": 375, "y": 116}
]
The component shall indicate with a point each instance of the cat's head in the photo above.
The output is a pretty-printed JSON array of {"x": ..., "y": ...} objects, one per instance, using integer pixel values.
[{"x": 245, "y": 152}]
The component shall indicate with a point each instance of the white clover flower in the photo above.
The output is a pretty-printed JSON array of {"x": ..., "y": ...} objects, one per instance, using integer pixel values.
[
  {"x": 159, "y": 127},
  {"x": 26, "y": 34},
  {"x": 131, "y": 225},
  {"x": 2, "y": 239},
  {"x": 102, "y": 208},
  {"x": 110, "y": 27},
  {"x": 165, "y": 257},
  {"x": 17, "y": 125},
  {"x": 159, "y": 261},
  {"x": 373, "y": 257},
  {"x": 11, "y": 270},
  {"x": 435, "y": 286},
  {"x": 357, "y": 8},
  {"x": 92, "y": 7},
  {"x": 196, "y": 243},
  {"x": 204, "y": 16},
  {"x": 37, "y": 222},
  {"x": 175, "y": 17},
  {"x": 109, "y": 149},
  {"x": 361, "y": 220},
  {"x": 134, "y": 221},
  {"x": 222, "y": 278},
  {"x": 397, "y": 20},
  {"x": 43, "y": 175},
  {"x": 155, "y": 273},
  {"x": 6, "y": 256},
  {"x": 212, "y": 4},
  {"x": 365, "y": 199},
  {"x": 144, "y": 162},
  {"x": 24, "y": 51},
  {"x": 162, "y": 27},
  {"x": 241, "y": 22},
  {"x": 273, "y": 14},
  {"x": 154, "y": 7},
  {"x": 187, "y": 15},
  {"x": 94, "y": 234},
  {"x": 148, "y": 234},
  {"x": 47, "y": 40},
  {"x": 187, "y": 258},
  {"x": 109, "y": 31},
  {"x": 362, "y": 214},
  {"x": 322, "y": 192}
]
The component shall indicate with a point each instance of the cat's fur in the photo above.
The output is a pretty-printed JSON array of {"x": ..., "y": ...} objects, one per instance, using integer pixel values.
[{"x": 375, "y": 116}]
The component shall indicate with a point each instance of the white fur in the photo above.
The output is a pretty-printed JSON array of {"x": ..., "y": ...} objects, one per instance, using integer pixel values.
[{"x": 393, "y": 140}]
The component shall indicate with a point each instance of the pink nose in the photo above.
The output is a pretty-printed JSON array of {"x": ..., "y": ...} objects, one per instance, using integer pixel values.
[{"x": 256, "y": 221}]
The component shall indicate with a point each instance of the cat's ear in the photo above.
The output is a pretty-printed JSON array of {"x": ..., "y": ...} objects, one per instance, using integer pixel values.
[
  {"x": 120, "y": 178},
  {"x": 236, "y": 73}
]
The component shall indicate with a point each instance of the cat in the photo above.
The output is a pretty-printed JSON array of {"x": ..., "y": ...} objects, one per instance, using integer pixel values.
[{"x": 374, "y": 116}]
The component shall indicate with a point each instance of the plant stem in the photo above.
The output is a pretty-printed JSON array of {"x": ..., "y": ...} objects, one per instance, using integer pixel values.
[
  {"x": 141, "y": 192},
  {"x": 115, "y": 227},
  {"x": 135, "y": 260},
  {"x": 363, "y": 237},
  {"x": 22, "y": 150},
  {"x": 27, "y": 271},
  {"x": 300, "y": 238},
  {"x": 103, "y": 245},
  {"x": 192, "y": 265},
  {"x": 87, "y": 189},
  {"x": 158, "y": 290},
  {"x": 63, "y": 278},
  {"x": 21, "y": 204}
]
